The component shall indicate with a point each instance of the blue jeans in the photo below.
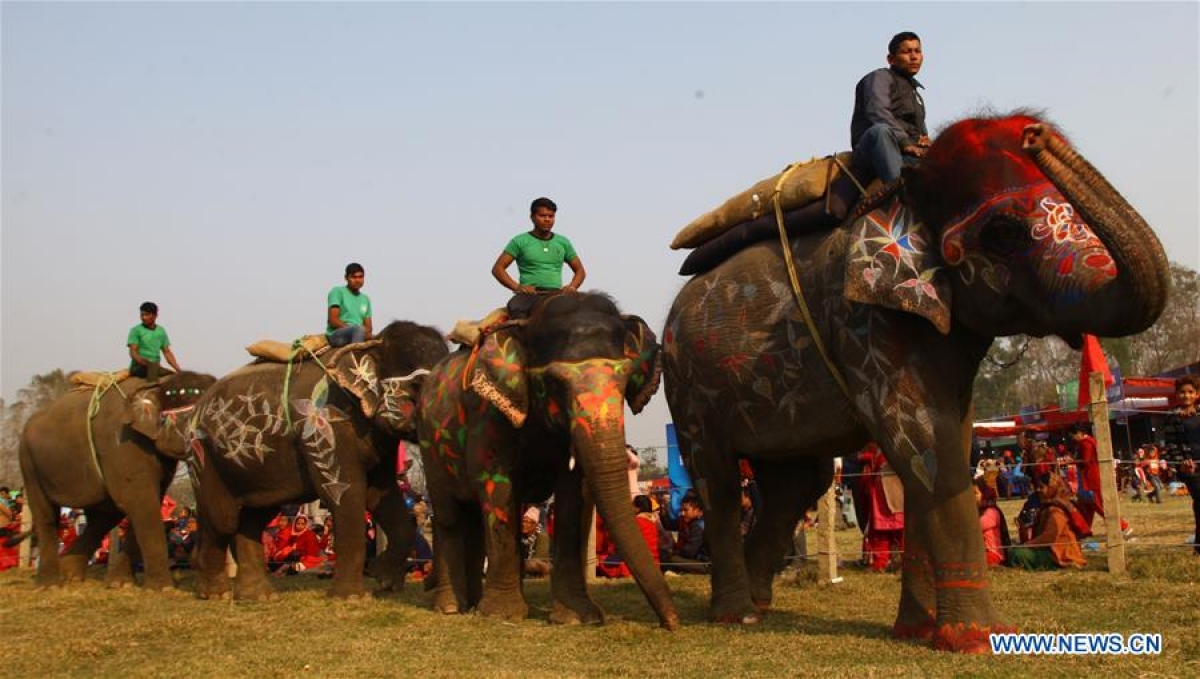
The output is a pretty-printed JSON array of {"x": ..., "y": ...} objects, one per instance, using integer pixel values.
[
  {"x": 350, "y": 334},
  {"x": 878, "y": 154}
]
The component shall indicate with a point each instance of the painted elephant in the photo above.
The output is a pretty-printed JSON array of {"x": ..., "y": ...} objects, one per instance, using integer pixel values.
[
  {"x": 335, "y": 440},
  {"x": 535, "y": 408},
  {"x": 1003, "y": 229},
  {"x": 111, "y": 452}
]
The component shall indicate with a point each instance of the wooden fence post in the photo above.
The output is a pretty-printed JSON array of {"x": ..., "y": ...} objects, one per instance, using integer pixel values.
[
  {"x": 1108, "y": 480},
  {"x": 827, "y": 554},
  {"x": 25, "y": 551}
]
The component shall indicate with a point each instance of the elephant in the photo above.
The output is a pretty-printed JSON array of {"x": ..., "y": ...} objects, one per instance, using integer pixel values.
[
  {"x": 537, "y": 406},
  {"x": 335, "y": 440},
  {"x": 1002, "y": 229},
  {"x": 111, "y": 451}
]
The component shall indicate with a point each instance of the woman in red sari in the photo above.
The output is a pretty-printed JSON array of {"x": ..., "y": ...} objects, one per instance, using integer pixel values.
[{"x": 884, "y": 539}]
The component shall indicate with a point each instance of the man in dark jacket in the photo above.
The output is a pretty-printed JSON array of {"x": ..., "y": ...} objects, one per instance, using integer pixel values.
[{"x": 888, "y": 127}]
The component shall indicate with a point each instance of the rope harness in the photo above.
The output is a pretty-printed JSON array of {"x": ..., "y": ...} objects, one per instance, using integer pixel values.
[
  {"x": 98, "y": 393},
  {"x": 298, "y": 350},
  {"x": 785, "y": 245}
]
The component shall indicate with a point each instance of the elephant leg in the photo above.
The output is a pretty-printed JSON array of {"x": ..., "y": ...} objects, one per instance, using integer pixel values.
[
  {"x": 398, "y": 524},
  {"x": 45, "y": 529},
  {"x": 145, "y": 520},
  {"x": 946, "y": 571},
  {"x": 74, "y": 559},
  {"x": 218, "y": 514},
  {"x": 350, "y": 537},
  {"x": 788, "y": 488},
  {"x": 572, "y": 523},
  {"x": 453, "y": 524},
  {"x": 474, "y": 553},
  {"x": 502, "y": 597},
  {"x": 717, "y": 478},
  {"x": 250, "y": 554}
]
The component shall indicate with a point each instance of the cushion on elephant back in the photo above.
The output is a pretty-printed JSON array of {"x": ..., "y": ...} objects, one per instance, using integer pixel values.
[
  {"x": 271, "y": 351},
  {"x": 798, "y": 184},
  {"x": 819, "y": 215},
  {"x": 468, "y": 332},
  {"x": 86, "y": 380}
]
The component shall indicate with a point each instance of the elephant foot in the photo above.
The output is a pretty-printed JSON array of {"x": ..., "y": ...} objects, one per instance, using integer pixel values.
[
  {"x": 581, "y": 613},
  {"x": 508, "y": 606},
  {"x": 971, "y": 637},
  {"x": 734, "y": 610},
  {"x": 445, "y": 602},
  {"x": 225, "y": 595},
  {"x": 255, "y": 591},
  {"x": 73, "y": 568},
  {"x": 349, "y": 594},
  {"x": 119, "y": 584},
  {"x": 388, "y": 572}
]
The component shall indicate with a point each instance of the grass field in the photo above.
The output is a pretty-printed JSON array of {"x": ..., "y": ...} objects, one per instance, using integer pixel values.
[{"x": 814, "y": 630}]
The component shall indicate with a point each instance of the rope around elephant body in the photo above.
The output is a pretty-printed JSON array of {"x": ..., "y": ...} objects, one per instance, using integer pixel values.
[
  {"x": 98, "y": 393},
  {"x": 785, "y": 245},
  {"x": 298, "y": 349}
]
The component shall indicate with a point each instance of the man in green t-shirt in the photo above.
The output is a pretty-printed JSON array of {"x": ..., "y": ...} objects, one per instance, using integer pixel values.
[
  {"x": 349, "y": 310},
  {"x": 540, "y": 255},
  {"x": 146, "y": 341}
]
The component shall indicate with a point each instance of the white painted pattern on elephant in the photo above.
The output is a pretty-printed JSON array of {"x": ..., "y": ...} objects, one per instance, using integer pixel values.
[
  {"x": 364, "y": 373},
  {"x": 319, "y": 440},
  {"x": 394, "y": 392},
  {"x": 238, "y": 426}
]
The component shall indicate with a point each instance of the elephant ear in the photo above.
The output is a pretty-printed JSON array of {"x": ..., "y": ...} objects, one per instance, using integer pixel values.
[
  {"x": 645, "y": 353},
  {"x": 356, "y": 370},
  {"x": 497, "y": 373},
  {"x": 398, "y": 406},
  {"x": 892, "y": 263},
  {"x": 144, "y": 411}
]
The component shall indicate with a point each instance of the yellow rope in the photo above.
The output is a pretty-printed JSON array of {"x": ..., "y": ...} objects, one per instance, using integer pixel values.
[
  {"x": 98, "y": 393},
  {"x": 297, "y": 349},
  {"x": 862, "y": 191},
  {"x": 799, "y": 292}
]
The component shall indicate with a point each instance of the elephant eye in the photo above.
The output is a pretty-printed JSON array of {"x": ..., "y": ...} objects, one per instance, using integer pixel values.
[{"x": 1005, "y": 235}]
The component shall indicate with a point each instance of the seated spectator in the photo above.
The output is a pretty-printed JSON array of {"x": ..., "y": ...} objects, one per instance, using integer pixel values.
[
  {"x": 690, "y": 554},
  {"x": 535, "y": 546},
  {"x": 275, "y": 539},
  {"x": 325, "y": 539},
  {"x": 1054, "y": 544},
  {"x": 301, "y": 553},
  {"x": 991, "y": 521},
  {"x": 652, "y": 529},
  {"x": 181, "y": 542}
]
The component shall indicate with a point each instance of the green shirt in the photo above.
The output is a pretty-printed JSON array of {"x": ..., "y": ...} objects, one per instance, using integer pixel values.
[
  {"x": 149, "y": 342},
  {"x": 354, "y": 307},
  {"x": 540, "y": 261}
]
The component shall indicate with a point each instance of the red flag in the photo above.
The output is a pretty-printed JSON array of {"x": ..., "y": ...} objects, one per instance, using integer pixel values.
[{"x": 1093, "y": 361}]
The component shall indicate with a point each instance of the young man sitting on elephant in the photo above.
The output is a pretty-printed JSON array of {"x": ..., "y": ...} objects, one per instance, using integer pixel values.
[
  {"x": 540, "y": 254},
  {"x": 146, "y": 341},
  {"x": 887, "y": 129},
  {"x": 349, "y": 310}
]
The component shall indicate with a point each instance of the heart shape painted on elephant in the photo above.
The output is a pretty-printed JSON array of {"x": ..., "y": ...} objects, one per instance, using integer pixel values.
[
  {"x": 925, "y": 467},
  {"x": 871, "y": 275}
]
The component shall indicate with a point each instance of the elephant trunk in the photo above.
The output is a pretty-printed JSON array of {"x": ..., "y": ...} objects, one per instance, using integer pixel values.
[
  {"x": 598, "y": 440},
  {"x": 606, "y": 466},
  {"x": 1143, "y": 273}
]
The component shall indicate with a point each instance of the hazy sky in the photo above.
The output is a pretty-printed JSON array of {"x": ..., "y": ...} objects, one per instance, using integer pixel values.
[{"x": 227, "y": 160}]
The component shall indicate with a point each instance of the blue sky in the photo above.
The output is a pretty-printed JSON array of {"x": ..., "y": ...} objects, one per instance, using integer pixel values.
[{"x": 228, "y": 159}]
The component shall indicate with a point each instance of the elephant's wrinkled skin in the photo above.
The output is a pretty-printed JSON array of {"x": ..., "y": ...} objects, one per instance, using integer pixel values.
[
  {"x": 500, "y": 427},
  {"x": 1001, "y": 230},
  {"x": 137, "y": 430},
  {"x": 337, "y": 442}
]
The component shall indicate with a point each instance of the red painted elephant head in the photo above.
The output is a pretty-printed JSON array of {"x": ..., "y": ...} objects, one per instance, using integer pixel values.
[{"x": 1005, "y": 228}]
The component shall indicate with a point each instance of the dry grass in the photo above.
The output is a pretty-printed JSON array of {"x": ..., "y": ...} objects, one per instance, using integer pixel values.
[{"x": 815, "y": 630}]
